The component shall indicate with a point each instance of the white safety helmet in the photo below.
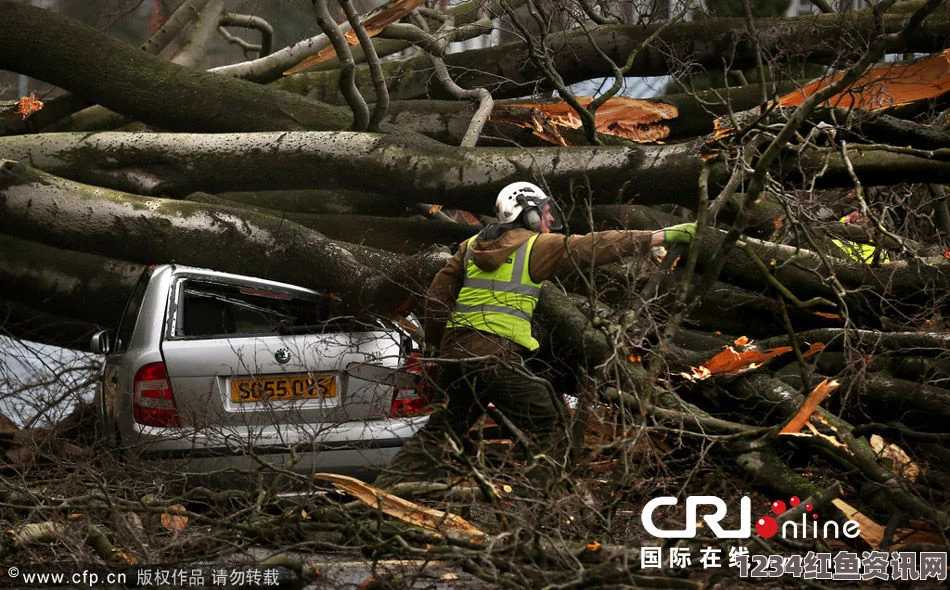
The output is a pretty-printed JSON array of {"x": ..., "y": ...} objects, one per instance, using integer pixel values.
[{"x": 527, "y": 198}]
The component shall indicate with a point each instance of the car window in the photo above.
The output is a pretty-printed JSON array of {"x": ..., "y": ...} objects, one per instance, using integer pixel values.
[
  {"x": 207, "y": 309},
  {"x": 131, "y": 313}
]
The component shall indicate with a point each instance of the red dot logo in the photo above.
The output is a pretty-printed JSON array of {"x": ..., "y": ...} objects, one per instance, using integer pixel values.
[
  {"x": 794, "y": 501},
  {"x": 778, "y": 507},
  {"x": 766, "y": 527}
]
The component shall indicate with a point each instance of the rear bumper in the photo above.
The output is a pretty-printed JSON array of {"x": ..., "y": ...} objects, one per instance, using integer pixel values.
[{"x": 355, "y": 448}]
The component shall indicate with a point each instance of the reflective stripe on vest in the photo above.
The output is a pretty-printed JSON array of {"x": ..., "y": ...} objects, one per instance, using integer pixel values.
[{"x": 501, "y": 301}]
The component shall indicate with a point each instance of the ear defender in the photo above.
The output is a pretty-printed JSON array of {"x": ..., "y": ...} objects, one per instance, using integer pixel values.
[{"x": 532, "y": 219}]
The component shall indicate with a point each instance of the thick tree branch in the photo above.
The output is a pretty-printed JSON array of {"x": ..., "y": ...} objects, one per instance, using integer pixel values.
[
  {"x": 144, "y": 86},
  {"x": 506, "y": 70},
  {"x": 229, "y": 19},
  {"x": 149, "y": 230},
  {"x": 201, "y": 34},
  {"x": 467, "y": 178},
  {"x": 346, "y": 75}
]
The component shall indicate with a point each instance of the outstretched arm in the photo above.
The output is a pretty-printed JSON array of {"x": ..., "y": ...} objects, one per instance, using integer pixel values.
[{"x": 556, "y": 255}]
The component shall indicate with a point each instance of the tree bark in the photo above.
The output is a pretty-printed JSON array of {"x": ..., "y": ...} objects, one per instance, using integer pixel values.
[
  {"x": 67, "y": 283},
  {"x": 399, "y": 166},
  {"x": 63, "y": 52},
  {"x": 507, "y": 71},
  {"x": 65, "y": 214},
  {"x": 803, "y": 272},
  {"x": 392, "y": 234}
]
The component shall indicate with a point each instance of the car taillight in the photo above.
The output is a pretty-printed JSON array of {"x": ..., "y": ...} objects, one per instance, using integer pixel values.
[
  {"x": 412, "y": 401},
  {"x": 153, "y": 403}
]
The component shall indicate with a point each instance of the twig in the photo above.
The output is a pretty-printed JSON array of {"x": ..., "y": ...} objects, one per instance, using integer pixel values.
[
  {"x": 376, "y": 73},
  {"x": 786, "y": 293},
  {"x": 347, "y": 67},
  {"x": 436, "y": 48},
  {"x": 940, "y": 207},
  {"x": 865, "y": 209}
]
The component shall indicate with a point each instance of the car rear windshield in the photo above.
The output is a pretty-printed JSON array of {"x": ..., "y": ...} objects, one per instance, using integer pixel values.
[{"x": 208, "y": 309}]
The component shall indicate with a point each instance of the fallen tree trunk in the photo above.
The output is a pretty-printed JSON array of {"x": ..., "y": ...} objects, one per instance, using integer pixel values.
[
  {"x": 318, "y": 202},
  {"x": 508, "y": 72},
  {"x": 392, "y": 234},
  {"x": 447, "y": 121},
  {"x": 466, "y": 178},
  {"x": 144, "y": 86},
  {"x": 866, "y": 289},
  {"x": 35, "y": 205},
  {"x": 66, "y": 283}
]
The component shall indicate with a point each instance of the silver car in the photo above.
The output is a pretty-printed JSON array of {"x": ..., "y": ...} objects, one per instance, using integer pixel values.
[{"x": 211, "y": 372}]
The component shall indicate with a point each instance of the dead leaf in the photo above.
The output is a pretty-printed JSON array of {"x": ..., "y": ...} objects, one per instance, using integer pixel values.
[
  {"x": 818, "y": 395},
  {"x": 406, "y": 511},
  {"x": 174, "y": 522},
  {"x": 902, "y": 463}
]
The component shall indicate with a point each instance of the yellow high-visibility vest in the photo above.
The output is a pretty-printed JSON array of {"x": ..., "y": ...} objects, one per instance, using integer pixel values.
[
  {"x": 501, "y": 301},
  {"x": 860, "y": 251}
]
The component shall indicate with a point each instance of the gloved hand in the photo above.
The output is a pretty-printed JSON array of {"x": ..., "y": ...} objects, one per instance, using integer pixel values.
[{"x": 679, "y": 234}]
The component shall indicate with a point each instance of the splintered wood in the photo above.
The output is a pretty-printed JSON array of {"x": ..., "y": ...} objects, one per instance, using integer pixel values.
[{"x": 630, "y": 118}]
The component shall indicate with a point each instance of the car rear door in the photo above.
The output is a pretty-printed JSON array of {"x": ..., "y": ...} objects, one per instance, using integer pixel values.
[{"x": 259, "y": 353}]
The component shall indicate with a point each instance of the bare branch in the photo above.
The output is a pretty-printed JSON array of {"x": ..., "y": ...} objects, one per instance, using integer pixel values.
[
  {"x": 229, "y": 19},
  {"x": 347, "y": 75},
  {"x": 201, "y": 34},
  {"x": 379, "y": 83}
]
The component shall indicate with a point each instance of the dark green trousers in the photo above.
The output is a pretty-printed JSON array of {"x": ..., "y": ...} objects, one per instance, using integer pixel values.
[{"x": 466, "y": 388}]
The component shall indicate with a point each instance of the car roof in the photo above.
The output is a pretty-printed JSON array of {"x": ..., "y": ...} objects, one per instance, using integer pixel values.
[{"x": 199, "y": 272}]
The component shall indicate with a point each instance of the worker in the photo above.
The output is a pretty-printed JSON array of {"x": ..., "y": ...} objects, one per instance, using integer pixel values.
[
  {"x": 478, "y": 324},
  {"x": 866, "y": 253}
]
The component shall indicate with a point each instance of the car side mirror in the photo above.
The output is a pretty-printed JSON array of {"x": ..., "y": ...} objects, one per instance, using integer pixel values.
[{"x": 101, "y": 342}]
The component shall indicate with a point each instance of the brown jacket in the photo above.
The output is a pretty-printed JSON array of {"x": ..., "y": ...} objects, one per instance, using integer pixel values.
[{"x": 553, "y": 255}]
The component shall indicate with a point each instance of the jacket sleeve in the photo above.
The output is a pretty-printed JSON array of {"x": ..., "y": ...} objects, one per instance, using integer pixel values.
[
  {"x": 441, "y": 296},
  {"x": 556, "y": 255}
]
